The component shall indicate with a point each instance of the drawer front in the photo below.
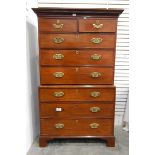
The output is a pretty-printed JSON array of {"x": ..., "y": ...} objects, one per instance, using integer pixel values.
[
  {"x": 97, "y": 25},
  {"x": 57, "y": 25},
  {"x": 69, "y": 41},
  {"x": 76, "y": 57},
  {"x": 76, "y": 75},
  {"x": 72, "y": 127},
  {"x": 55, "y": 110},
  {"x": 79, "y": 94}
]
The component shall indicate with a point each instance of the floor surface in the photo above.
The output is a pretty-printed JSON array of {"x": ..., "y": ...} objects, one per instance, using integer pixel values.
[{"x": 84, "y": 146}]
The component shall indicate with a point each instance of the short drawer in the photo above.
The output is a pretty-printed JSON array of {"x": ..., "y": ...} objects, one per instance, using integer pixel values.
[
  {"x": 76, "y": 75},
  {"x": 76, "y": 127},
  {"x": 97, "y": 25},
  {"x": 69, "y": 41},
  {"x": 77, "y": 57},
  {"x": 74, "y": 109},
  {"x": 48, "y": 94},
  {"x": 57, "y": 25}
]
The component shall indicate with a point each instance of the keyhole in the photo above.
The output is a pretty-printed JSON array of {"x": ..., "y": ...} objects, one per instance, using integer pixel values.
[
  {"x": 77, "y": 52},
  {"x": 77, "y": 36}
]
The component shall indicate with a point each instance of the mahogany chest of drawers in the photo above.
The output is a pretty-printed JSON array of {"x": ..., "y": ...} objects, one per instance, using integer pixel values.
[{"x": 77, "y": 60}]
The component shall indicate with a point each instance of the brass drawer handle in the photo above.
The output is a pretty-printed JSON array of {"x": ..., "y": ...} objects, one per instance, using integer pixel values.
[
  {"x": 96, "y": 57},
  {"x": 94, "y": 125},
  {"x": 58, "y": 25},
  {"x": 95, "y": 74},
  {"x": 58, "y": 40},
  {"x": 95, "y": 109},
  {"x": 96, "y": 40},
  {"x": 58, "y": 56},
  {"x": 58, "y": 94},
  {"x": 97, "y": 26},
  {"x": 58, "y": 74},
  {"x": 95, "y": 94},
  {"x": 59, "y": 126},
  {"x": 57, "y": 109}
]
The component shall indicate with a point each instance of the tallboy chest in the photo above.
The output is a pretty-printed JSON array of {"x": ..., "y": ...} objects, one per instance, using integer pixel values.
[{"x": 77, "y": 60}]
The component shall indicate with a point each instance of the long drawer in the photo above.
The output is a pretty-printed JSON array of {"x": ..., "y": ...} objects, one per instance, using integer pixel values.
[
  {"x": 76, "y": 75},
  {"x": 48, "y": 94},
  {"x": 76, "y": 57},
  {"x": 69, "y": 41},
  {"x": 77, "y": 127},
  {"x": 74, "y": 109}
]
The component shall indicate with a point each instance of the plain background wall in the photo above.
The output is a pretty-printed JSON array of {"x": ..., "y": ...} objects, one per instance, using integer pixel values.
[
  {"x": 32, "y": 106},
  {"x": 13, "y": 78}
]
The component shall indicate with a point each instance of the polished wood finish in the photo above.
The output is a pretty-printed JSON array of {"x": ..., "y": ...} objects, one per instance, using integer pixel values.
[
  {"x": 43, "y": 141},
  {"x": 102, "y": 25},
  {"x": 78, "y": 75},
  {"x": 72, "y": 127},
  {"x": 76, "y": 41},
  {"x": 79, "y": 94},
  {"x": 75, "y": 109},
  {"x": 71, "y": 12},
  {"x": 110, "y": 141},
  {"x": 68, "y": 25},
  {"x": 77, "y": 60}
]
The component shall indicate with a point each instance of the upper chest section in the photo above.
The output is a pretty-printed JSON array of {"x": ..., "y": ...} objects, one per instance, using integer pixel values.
[
  {"x": 76, "y": 24},
  {"x": 59, "y": 20}
]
